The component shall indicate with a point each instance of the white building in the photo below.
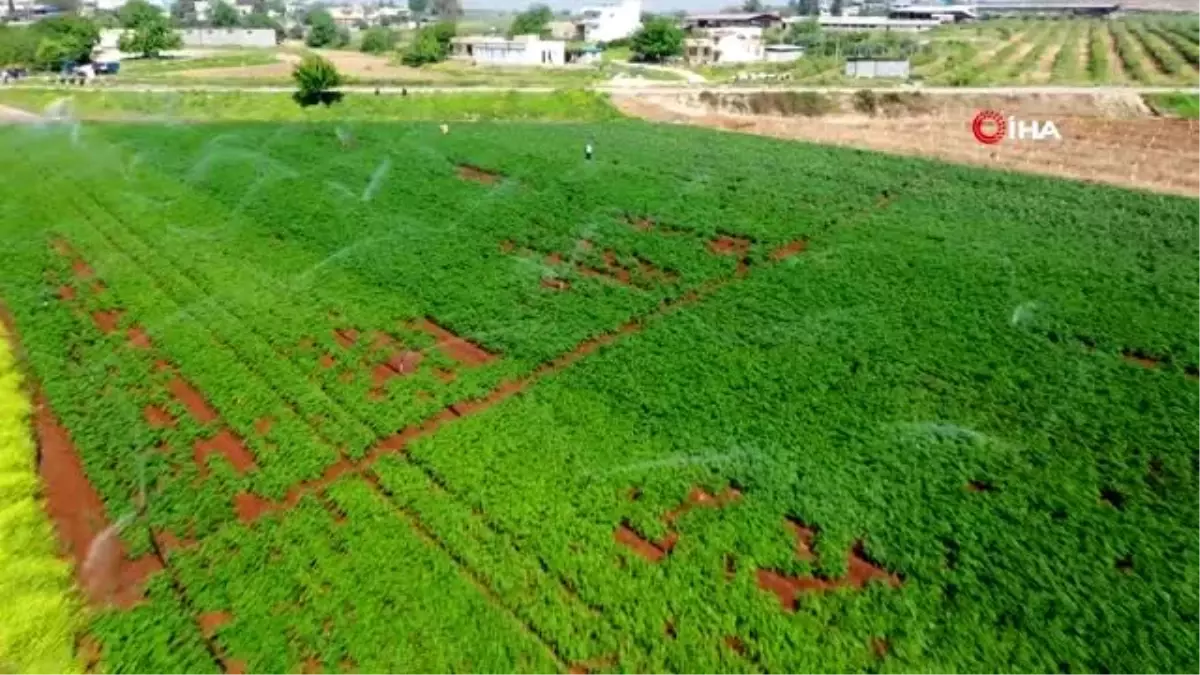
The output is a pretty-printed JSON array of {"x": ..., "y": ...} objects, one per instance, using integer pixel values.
[
  {"x": 865, "y": 23},
  {"x": 725, "y": 45},
  {"x": 614, "y": 21},
  {"x": 782, "y": 53},
  {"x": 522, "y": 50}
]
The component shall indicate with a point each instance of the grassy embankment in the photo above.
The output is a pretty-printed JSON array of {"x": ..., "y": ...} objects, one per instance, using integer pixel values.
[{"x": 226, "y": 106}]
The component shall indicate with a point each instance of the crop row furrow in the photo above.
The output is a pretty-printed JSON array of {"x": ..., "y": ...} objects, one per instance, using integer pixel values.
[
  {"x": 1186, "y": 48},
  {"x": 300, "y": 391},
  {"x": 203, "y": 342},
  {"x": 1132, "y": 58}
]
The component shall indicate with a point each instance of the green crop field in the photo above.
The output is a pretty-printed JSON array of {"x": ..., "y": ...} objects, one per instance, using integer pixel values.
[
  {"x": 374, "y": 397},
  {"x": 1146, "y": 50}
]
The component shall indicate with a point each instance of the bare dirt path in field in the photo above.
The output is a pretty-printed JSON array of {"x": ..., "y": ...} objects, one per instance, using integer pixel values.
[
  {"x": 354, "y": 64},
  {"x": 1111, "y": 142},
  {"x": 8, "y": 115}
]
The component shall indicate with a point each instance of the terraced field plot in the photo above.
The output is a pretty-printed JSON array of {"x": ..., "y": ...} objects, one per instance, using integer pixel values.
[
  {"x": 376, "y": 398},
  {"x": 1152, "y": 50}
]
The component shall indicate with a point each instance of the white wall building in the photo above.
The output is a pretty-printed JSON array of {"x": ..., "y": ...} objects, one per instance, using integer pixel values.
[
  {"x": 725, "y": 45},
  {"x": 605, "y": 23},
  {"x": 522, "y": 50}
]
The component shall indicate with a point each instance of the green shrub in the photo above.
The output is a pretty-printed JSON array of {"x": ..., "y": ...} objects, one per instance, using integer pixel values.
[{"x": 316, "y": 77}]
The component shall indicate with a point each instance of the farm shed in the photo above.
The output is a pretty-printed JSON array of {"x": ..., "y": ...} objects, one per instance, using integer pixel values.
[
  {"x": 782, "y": 53},
  {"x": 877, "y": 68}
]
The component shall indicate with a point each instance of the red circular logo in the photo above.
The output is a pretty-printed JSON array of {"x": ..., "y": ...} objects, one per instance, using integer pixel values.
[{"x": 989, "y": 127}]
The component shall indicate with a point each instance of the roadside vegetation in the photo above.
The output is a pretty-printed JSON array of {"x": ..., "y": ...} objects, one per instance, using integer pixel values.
[
  {"x": 165, "y": 106},
  {"x": 1185, "y": 106},
  {"x": 40, "y": 612}
]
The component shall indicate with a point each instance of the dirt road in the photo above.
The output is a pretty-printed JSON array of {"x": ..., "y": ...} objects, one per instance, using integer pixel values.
[{"x": 1109, "y": 141}]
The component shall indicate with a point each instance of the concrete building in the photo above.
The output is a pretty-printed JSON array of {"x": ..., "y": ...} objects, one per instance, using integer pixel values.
[
  {"x": 738, "y": 20},
  {"x": 724, "y": 45},
  {"x": 782, "y": 53},
  {"x": 522, "y": 50},
  {"x": 897, "y": 68},
  {"x": 614, "y": 21},
  {"x": 874, "y": 23},
  {"x": 997, "y": 8},
  {"x": 939, "y": 13}
]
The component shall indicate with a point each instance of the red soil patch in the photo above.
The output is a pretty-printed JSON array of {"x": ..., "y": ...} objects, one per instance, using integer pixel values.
[
  {"x": 636, "y": 543},
  {"x": 615, "y": 269},
  {"x": 1141, "y": 358},
  {"x": 455, "y": 347},
  {"x": 381, "y": 341},
  {"x": 105, "y": 571},
  {"x": 138, "y": 339},
  {"x": 161, "y": 366},
  {"x": 166, "y": 541},
  {"x": 472, "y": 172},
  {"x": 346, "y": 337},
  {"x": 554, "y": 258},
  {"x": 250, "y": 507},
  {"x": 585, "y": 245},
  {"x": 405, "y": 363},
  {"x": 725, "y": 245},
  {"x": 736, "y": 644},
  {"x": 346, "y": 377},
  {"x": 789, "y": 250},
  {"x": 192, "y": 400},
  {"x": 445, "y": 375},
  {"x": 62, "y": 247},
  {"x": 98, "y": 287},
  {"x": 157, "y": 417},
  {"x": 82, "y": 270},
  {"x": 234, "y": 667},
  {"x": 107, "y": 320},
  {"x": 312, "y": 665},
  {"x": 655, "y": 550},
  {"x": 860, "y": 571},
  {"x": 263, "y": 425},
  {"x": 880, "y": 647},
  {"x": 640, "y": 224},
  {"x": 326, "y": 361},
  {"x": 210, "y": 622},
  {"x": 507, "y": 246},
  {"x": 380, "y": 374},
  {"x": 227, "y": 444},
  {"x": 697, "y": 497},
  {"x": 556, "y": 284},
  {"x": 501, "y": 392},
  {"x": 592, "y": 665},
  {"x": 66, "y": 292}
]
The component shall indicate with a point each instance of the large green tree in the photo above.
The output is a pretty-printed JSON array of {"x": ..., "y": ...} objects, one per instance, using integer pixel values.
[
  {"x": 136, "y": 12},
  {"x": 418, "y": 6},
  {"x": 316, "y": 77},
  {"x": 432, "y": 44},
  {"x": 657, "y": 40},
  {"x": 322, "y": 30},
  {"x": 225, "y": 16},
  {"x": 65, "y": 38},
  {"x": 378, "y": 40},
  {"x": 532, "y": 21},
  {"x": 150, "y": 37}
]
